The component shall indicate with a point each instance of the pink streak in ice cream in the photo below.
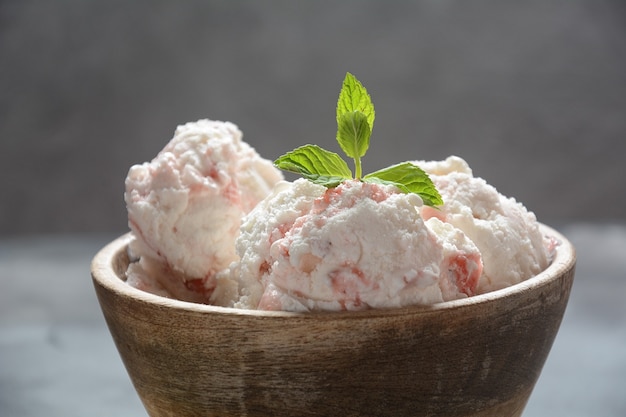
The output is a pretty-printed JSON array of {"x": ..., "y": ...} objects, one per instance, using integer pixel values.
[
  {"x": 353, "y": 247},
  {"x": 512, "y": 246},
  {"x": 186, "y": 205}
]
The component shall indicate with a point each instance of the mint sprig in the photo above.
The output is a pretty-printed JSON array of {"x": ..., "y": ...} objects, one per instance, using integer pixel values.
[
  {"x": 355, "y": 121},
  {"x": 315, "y": 164},
  {"x": 409, "y": 178}
]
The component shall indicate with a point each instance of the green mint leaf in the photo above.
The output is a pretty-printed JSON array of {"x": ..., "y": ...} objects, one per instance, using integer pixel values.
[
  {"x": 355, "y": 120},
  {"x": 409, "y": 178},
  {"x": 315, "y": 164},
  {"x": 354, "y": 97},
  {"x": 325, "y": 180},
  {"x": 353, "y": 136}
]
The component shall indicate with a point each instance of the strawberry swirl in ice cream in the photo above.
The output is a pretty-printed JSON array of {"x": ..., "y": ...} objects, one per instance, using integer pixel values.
[
  {"x": 186, "y": 205},
  {"x": 506, "y": 233},
  {"x": 351, "y": 247}
]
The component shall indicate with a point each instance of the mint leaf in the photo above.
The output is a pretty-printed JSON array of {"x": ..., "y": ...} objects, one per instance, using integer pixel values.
[
  {"x": 325, "y": 180},
  {"x": 409, "y": 178},
  {"x": 353, "y": 135},
  {"x": 354, "y": 97},
  {"x": 315, "y": 164},
  {"x": 355, "y": 120}
]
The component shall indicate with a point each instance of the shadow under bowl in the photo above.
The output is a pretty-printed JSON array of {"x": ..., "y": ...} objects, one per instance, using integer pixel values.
[{"x": 479, "y": 356}]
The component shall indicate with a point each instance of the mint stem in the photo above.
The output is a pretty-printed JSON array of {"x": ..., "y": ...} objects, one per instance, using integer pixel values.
[{"x": 357, "y": 168}]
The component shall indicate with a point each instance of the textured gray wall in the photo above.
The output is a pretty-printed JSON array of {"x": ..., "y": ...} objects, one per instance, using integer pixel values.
[{"x": 531, "y": 93}]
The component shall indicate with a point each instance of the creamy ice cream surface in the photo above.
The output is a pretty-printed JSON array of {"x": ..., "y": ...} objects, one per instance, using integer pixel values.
[
  {"x": 214, "y": 222},
  {"x": 185, "y": 206},
  {"x": 352, "y": 247},
  {"x": 506, "y": 233}
]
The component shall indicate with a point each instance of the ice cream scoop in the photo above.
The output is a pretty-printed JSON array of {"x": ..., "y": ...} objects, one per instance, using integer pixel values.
[
  {"x": 186, "y": 205},
  {"x": 356, "y": 246},
  {"x": 512, "y": 246}
]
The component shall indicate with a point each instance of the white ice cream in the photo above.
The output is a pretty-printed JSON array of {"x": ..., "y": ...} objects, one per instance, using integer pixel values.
[
  {"x": 214, "y": 223},
  {"x": 506, "y": 233},
  {"x": 185, "y": 206},
  {"x": 353, "y": 247}
]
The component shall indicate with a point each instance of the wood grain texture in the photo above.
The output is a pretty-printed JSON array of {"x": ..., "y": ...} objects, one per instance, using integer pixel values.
[{"x": 475, "y": 357}]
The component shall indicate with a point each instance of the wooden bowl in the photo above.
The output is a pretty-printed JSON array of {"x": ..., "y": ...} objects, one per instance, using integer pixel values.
[{"x": 479, "y": 356}]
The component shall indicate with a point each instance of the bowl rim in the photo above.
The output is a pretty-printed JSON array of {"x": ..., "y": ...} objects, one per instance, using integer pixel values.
[{"x": 104, "y": 275}]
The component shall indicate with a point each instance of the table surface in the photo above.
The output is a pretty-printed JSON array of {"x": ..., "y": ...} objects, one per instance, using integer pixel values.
[{"x": 58, "y": 359}]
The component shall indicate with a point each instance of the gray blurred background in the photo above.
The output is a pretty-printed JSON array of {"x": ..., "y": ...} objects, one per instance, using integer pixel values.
[{"x": 531, "y": 93}]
